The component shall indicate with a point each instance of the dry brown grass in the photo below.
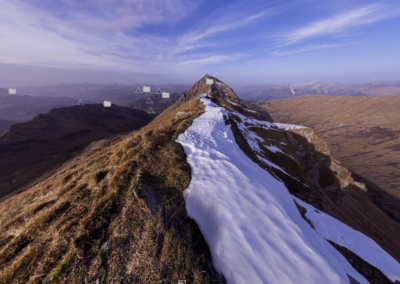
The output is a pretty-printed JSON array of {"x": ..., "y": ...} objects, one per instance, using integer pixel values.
[{"x": 53, "y": 232}]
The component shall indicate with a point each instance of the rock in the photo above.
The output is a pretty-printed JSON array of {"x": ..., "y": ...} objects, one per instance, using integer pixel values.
[
  {"x": 151, "y": 200},
  {"x": 141, "y": 179},
  {"x": 140, "y": 191},
  {"x": 79, "y": 253}
]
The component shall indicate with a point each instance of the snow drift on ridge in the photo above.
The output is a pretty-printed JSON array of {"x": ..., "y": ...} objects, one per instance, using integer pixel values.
[
  {"x": 331, "y": 229},
  {"x": 247, "y": 217}
]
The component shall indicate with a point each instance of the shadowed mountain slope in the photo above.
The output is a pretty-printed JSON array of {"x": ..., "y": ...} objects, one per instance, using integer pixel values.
[
  {"x": 24, "y": 108},
  {"x": 116, "y": 212},
  {"x": 30, "y": 149},
  {"x": 5, "y": 125},
  {"x": 362, "y": 132}
]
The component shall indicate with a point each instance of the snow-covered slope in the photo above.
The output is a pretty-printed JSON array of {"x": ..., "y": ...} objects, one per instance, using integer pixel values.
[
  {"x": 331, "y": 229},
  {"x": 248, "y": 218}
]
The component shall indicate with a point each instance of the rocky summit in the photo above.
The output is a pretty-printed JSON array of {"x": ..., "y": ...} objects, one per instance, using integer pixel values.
[{"x": 208, "y": 192}]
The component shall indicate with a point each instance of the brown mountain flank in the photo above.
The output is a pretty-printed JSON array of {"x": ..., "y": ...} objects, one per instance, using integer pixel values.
[
  {"x": 362, "y": 132},
  {"x": 116, "y": 214},
  {"x": 30, "y": 149}
]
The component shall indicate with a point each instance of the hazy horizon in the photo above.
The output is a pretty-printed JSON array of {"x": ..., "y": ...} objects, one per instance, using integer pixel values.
[
  {"x": 175, "y": 42},
  {"x": 234, "y": 85}
]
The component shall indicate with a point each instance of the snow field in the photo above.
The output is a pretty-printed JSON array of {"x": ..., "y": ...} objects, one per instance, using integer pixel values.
[{"x": 248, "y": 218}]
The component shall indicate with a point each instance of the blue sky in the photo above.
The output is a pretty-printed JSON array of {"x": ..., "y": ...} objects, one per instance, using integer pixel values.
[{"x": 177, "y": 41}]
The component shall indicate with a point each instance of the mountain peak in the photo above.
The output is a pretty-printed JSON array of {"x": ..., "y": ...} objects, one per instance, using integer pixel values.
[{"x": 201, "y": 87}]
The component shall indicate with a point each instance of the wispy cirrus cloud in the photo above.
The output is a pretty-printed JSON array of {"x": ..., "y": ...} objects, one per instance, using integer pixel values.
[
  {"x": 195, "y": 39},
  {"x": 184, "y": 36},
  {"x": 343, "y": 22},
  {"x": 125, "y": 15},
  {"x": 306, "y": 48},
  {"x": 35, "y": 36},
  {"x": 210, "y": 59},
  {"x": 98, "y": 33}
]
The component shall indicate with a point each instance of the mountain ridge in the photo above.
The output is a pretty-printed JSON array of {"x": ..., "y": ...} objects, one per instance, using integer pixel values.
[{"x": 99, "y": 206}]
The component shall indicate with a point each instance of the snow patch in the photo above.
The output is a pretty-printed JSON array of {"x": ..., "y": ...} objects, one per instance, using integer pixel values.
[
  {"x": 233, "y": 103},
  {"x": 249, "y": 110},
  {"x": 181, "y": 113},
  {"x": 104, "y": 246},
  {"x": 288, "y": 126}
]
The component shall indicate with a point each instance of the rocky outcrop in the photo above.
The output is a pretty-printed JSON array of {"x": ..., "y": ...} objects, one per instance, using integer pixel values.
[
  {"x": 146, "y": 192},
  {"x": 201, "y": 88}
]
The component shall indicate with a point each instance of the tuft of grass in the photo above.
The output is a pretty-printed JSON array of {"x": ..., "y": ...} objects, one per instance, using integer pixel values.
[
  {"x": 63, "y": 268},
  {"x": 43, "y": 205}
]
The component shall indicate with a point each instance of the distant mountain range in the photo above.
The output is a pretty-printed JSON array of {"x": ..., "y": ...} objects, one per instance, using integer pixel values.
[
  {"x": 277, "y": 92},
  {"x": 118, "y": 94},
  {"x": 31, "y": 101}
]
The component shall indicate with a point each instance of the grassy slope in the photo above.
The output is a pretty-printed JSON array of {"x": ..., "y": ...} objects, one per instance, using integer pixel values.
[{"x": 53, "y": 232}]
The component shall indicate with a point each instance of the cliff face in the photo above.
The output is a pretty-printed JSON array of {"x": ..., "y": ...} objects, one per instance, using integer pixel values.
[{"x": 337, "y": 194}]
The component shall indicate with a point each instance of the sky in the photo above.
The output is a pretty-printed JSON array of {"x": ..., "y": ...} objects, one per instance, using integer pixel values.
[{"x": 47, "y": 42}]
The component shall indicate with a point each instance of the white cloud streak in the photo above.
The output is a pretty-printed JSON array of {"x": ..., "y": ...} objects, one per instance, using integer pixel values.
[
  {"x": 343, "y": 22},
  {"x": 305, "y": 49},
  {"x": 194, "y": 39}
]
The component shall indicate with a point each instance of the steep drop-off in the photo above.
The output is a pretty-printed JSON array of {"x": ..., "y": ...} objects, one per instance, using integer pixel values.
[{"x": 363, "y": 133}]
